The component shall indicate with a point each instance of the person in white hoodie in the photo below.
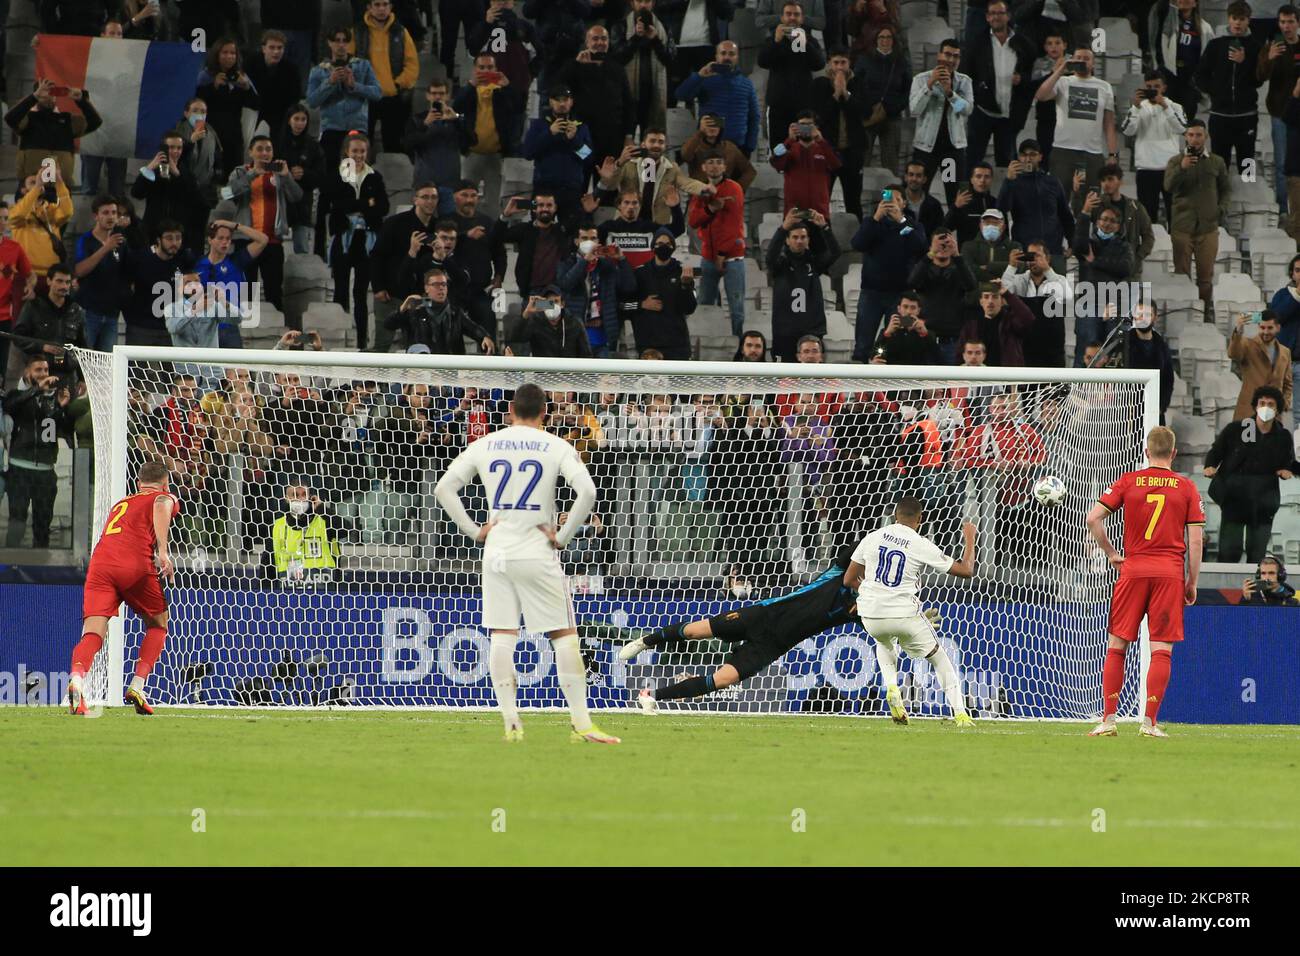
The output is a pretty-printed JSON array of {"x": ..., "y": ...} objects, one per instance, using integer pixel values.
[{"x": 1158, "y": 123}]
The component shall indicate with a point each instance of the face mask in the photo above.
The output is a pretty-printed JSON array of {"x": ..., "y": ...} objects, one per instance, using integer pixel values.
[
  {"x": 990, "y": 233},
  {"x": 1266, "y": 414},
  {"x": 1143, "y": 323},
  {"x": 552, "y": 311},
  {"x": 663, "y": 253},
  {"x": 586, "y": 247},
  {"x": 1103, "y": 234},
  {"x": 197, "y": 118},
  {"x": 299, "y": 507}
]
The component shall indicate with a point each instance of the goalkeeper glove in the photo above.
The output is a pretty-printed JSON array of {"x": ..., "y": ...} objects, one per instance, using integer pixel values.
[{"x": 931, "y": 614}]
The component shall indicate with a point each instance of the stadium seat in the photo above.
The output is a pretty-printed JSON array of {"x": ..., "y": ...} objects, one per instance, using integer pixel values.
[{"x": 681, "y": 126}]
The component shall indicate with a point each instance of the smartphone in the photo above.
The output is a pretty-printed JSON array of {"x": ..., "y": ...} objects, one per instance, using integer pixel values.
[
  {"x": 887, "y": 195},
  {"x": 50, "y": 193},
  {"x": 722, "y": 69},
  {"x": 340, "y": 62},
  {"x": 1256, "y": 318},
  {"x": 59, "y": 91},
  {"x": 907, "y": 321},
  {"x": 639, "y": 153},
  {"x": 493, "y": 76},
  {"x": 1150, "y": 94},
  {"x": 1234, "y": 44},
  {"x": 1080, "y": 169},
  {"x": 805, "y": 129},
  {"x": 437, "y": 106},
  {"x": 1077, "y": 67}
]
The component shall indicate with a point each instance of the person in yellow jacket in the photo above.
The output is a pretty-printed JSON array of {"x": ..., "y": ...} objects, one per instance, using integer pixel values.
[
  {"x": 394, "y": 57},
  {"x": 36, "y": 223},
  {"x": 302, "y": 547}
]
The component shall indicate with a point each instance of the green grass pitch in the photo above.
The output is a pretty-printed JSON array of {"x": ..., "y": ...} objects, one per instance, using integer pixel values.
[{"x": 409, "y": 788}]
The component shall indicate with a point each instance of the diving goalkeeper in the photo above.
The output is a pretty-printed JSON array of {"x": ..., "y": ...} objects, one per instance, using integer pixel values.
[{"x": 765, "y": 632}]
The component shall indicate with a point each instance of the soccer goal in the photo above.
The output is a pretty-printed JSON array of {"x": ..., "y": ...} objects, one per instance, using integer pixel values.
[{"x": 718, "y": 484}]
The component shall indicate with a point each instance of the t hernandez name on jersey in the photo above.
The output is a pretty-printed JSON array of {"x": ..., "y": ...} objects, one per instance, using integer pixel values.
[
  {"x": 1158, "y": 504},
  {"x": 519, "y": 468},
  {"x": 894, "y": 557}
]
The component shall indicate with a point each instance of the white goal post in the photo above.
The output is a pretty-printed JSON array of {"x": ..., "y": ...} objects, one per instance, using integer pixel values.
[{"x": 719, "y": 484}]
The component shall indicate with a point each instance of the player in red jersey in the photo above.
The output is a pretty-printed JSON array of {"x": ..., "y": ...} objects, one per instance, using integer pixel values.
[
  {"x": 128, "y": 561},
  {"x": 1158, "y": 505}
]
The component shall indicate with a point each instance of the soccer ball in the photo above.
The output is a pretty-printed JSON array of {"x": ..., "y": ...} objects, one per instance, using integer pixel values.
[{"x": 1049, "y": 491}]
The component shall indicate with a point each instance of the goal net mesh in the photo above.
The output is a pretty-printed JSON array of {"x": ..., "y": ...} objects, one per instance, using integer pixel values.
[{"x": 714, "y": 490}]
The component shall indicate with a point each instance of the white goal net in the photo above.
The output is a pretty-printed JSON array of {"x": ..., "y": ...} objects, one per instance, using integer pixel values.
[{"x": 718, "y": 484}]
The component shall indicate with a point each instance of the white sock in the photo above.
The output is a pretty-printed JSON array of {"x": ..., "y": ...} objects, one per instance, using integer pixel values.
[
  {"x": 887, "y": 658},
  {"x": 501, "y": 666},
  {"x": 573, "y": 679},
  {"x": 948, "y": 680},
  {"x": 137, "y": 684},
  {"x": 74, "y": 682}
]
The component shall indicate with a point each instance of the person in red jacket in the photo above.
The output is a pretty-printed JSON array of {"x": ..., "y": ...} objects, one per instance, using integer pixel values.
[
  {"x": 15, "y": 276},
  {"x": 808, "y": 163},
  {"x": 718, "y": 215}
]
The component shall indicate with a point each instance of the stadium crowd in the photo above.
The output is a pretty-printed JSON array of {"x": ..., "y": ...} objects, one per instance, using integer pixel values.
[{"x": 1052, "y": 191}]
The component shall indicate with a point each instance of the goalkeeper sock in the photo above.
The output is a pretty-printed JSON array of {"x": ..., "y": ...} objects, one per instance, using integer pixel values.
[
  {"x": 501, "y": 666},
  {"x": 948, "y": 680},
  {"x": 887, "y": 658},
  {"x": 691, "y": 687},
  {"x": 1112, "y": 679},
  {"x": 83, "y": 655},
  {"x": 573, "y": 679},
  {"x": 1157, "y": 681},
  {"x": 150, "y": 650},
  {"x": 665, "y": 634}
]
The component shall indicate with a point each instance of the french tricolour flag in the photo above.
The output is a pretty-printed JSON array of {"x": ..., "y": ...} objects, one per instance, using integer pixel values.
[{"x": 139, "y": 87}]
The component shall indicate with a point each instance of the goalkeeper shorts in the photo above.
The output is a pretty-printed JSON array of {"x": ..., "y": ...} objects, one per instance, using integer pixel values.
[
  {"x": 535, "y": 588},
  {"x": 914, "y": 634}
]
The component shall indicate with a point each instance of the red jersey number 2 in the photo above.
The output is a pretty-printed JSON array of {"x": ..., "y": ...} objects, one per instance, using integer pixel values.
[{"x": 120, "y": 510}]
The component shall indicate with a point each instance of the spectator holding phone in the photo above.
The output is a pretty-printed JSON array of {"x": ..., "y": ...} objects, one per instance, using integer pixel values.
[
  {"x": 39, "y": 402},
  {"x": 1227, "y": 73},
  {"x": 1144, "y": 347},
  {"x": 1001, "y": 322},
  {"x": 641, "y": 43},
  {"x": 434, "y": 139},
  {"x": 1269, "y": 586},
  {"x": 263, "y": 191},
  {"x": 973, "y": 200},
  {"x": 435, "y": 321},
  {"x": 542, "y": 242},
  {"x": 36, "y": 220},
  {"x": 345, "y": 90},
  {"x": 552, "y": 332},
  {"x": 695, "y": 28},
  {"x": 1036, "y": 201},
  {"x": 51, "y": 320},
  {"x": 299, "y": 341},
  {"x": 707, "y": 138},
  {"x": 1279, "y": 65},
  {"x": 202, "y": 156},
  {"x": 791, "y": 56},
  {"x": 602, "y": 98},
  {"x": 943, "y": 279},
  {"x": 561, "y": 148},
  {"x": 493, "y": 111},
  {"x": 99, "y": 271},
  {"x": 721, "y": 89},
  {"x": 661, "y": 185},
  {"x": 1199, "y": 185},
  {"x": 891, "y": 241},
  {"x": 228, "y": 91},
  {"x": 170, "y": 192},
  {"x": 306, "y": 165},
  {"x": 1086, "y": 136},
  {"x": 942, "y": 100},
  {"x": 808, "y": 164},
  {"x": 598, "y": 282},
  {"x": 905, "y": 340},
  {"x": 803, "y": 249},
  {"x": 1157, "y": 123},
  {"x": 1261, "y": 359},
  {"x": 717, "y": 215},
  {"x": 44, "y": 130}
]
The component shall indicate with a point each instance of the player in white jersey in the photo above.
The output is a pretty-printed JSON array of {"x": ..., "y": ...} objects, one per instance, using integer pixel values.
[
  {"x": 519, "y": 467},
  {"x": 885, "y": 568}
]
